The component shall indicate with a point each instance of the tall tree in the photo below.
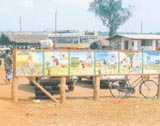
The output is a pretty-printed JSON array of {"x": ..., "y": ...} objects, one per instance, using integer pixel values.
[{"x": 111, "y": 13}]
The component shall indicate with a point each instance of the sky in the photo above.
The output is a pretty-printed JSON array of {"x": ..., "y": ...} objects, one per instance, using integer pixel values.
[{"x": 39, "y": 15}]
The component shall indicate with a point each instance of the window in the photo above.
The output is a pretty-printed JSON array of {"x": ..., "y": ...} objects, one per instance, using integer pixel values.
[
  {"x": 65, "y": 40},
  {"x": 146, "y": 42},
  {"x": 158, "y": 43},
  {"x": 83, "y": 39}
]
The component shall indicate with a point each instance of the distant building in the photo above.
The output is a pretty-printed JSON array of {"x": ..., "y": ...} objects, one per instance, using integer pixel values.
[
  {"x": 69, "y": 39},
  {"x": 73, "y": 40},
  {"x": 135, "y": 42},
  {"x": 25, "y": 40}
]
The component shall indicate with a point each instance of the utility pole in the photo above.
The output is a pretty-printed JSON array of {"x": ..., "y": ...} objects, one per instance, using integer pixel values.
[
  {"x": 55, "y": 27},
  {"x": 20, "y": 24},
  {"x": 141, "y": 27}
]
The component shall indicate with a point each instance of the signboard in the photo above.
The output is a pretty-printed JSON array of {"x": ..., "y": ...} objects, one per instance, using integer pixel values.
[
  {"x": 106, "y": 62},
  {"x": 29, "y": 63},
  {"x": 130, "y": 62},
  {"x": 85, "y": 63},
  {"x": 81, "y": 63},
  {"x": 151, "y": 62},
  {"x": 55, "y": 63}
]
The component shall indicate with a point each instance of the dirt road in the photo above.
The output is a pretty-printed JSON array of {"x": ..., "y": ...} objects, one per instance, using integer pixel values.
[{"x": 79, "y": 109}]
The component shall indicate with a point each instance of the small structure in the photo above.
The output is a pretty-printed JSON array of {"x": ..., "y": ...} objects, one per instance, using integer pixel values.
[
  {"x": 46, "y": 44},
  {"x": 135, "y": 42},
  {"x": 104, "y": 41}
]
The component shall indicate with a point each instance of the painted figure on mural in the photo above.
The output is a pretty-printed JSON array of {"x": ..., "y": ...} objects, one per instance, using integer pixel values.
[
  {"x": 55, "y": 61},
  {"x": 112, "y": 63}
]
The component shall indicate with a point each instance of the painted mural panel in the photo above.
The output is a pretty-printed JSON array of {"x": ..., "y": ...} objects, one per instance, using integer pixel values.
[
  {"x": 81, "y": 63},
  {"x": 29, "y": 63},
  {"x": 55, "y": 63},
  {"x": 151, "y": 62},
  {"x": 106, "y": 62},
  {"x": 85, "y": 63},
  {"x": 130, "y": 62}
]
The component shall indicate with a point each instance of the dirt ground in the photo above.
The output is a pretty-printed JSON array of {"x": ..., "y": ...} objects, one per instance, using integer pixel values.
[{"x": 79, "y": 109}]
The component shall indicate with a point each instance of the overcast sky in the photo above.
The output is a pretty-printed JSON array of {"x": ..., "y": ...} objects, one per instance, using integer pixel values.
[{"x": 38, "y": 15}]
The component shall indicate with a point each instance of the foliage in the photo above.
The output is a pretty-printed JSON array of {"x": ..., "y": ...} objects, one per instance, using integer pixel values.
[
  {"x": 4, "y": 40},
  {"x": 111, "y": 13}
]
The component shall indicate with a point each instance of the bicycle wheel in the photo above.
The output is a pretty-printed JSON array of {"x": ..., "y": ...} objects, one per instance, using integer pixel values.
[
  {"x": 149, "y": 89},
  {"x": 119, "y": 89}
]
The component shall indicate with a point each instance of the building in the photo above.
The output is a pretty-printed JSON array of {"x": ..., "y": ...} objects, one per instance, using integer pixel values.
[
  {"x": 23, "y": 40},
  {"x": 73, "y": 40},
  {"x": 63, "y": 39},
  {"x": 135, "y": 42},
  {"x": 104, "y": 41}
]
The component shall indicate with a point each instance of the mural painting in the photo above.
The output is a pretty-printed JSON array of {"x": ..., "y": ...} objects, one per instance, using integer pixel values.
[
  {"x": 55, "y": 63},
  {"x": 29, "y": 63},
  {"x": 106, "y": 62},
  {"x": 151, "y": 62},
  {"x": 85, "y": 63},
  {"x": 130, "y": 62},
  {"x": 81, "y": 63}
]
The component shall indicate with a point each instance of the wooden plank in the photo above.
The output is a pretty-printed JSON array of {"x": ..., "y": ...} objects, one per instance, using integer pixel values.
[
  {"x": 42, "y": 89},
  {"x": 96, "y": 87},
  {"x": 63, "y": 90},
  {"x": 14, "y": 89}
]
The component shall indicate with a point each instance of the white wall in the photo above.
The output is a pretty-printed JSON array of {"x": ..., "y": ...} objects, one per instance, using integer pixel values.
[
  {"x": 153, "y": 44},
  {"x": 123, "y": 43},
  {"x": 137, "y": 44},
  {"x": 152, "y": 47}
]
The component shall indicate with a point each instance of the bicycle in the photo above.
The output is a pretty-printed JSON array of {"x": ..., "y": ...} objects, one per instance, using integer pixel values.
[{"x": 121, "y": 88}]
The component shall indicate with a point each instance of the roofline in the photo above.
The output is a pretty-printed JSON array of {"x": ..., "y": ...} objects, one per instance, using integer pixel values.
[{"x": 125, "y": 36}]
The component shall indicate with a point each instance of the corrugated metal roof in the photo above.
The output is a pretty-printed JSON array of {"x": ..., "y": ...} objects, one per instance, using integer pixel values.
[{"x": 139, "y": 36}]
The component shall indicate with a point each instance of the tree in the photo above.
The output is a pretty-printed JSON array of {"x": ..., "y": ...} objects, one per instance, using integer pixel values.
[
  {"x": 4, "y": 40},
  {"x": 111, "y": 13}
]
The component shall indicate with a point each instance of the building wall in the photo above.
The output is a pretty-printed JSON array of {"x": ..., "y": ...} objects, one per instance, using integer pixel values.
[
  {"x": 119, "y": 43},
  {"x": 123, "y": 40},
  {"x": 152, "y": 47},
  {"x": 158, "y": 45},
  {"x": 116, "y": 43}
]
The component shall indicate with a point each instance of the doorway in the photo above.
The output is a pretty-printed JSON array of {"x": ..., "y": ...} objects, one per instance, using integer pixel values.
[{"x": 125, "y": 45}]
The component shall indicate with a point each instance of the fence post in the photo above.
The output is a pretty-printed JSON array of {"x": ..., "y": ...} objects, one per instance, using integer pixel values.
[
  {"x": 158, "y": 95},
  {"x": 96, "y": 82},
  {"x": 14, "y": 89},
  {"x": 63, "y": 90}
]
